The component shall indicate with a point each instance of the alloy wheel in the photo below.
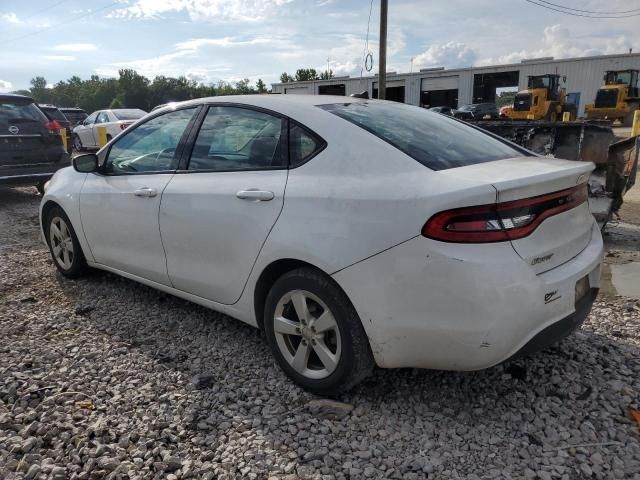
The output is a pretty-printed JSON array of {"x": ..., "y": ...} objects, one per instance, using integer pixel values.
[
  {"x": 61, "y": 243},
  {"x": 307, "y": 334}
]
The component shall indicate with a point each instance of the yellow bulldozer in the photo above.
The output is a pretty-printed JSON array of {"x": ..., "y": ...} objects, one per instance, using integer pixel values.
[
  {"x": 617, "y": 99},
  {"x": 543, "y": 99}
]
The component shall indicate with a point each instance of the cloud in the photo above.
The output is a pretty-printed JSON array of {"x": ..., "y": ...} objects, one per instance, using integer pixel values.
[
  {"x": 175, "y": 64},
  {"x": 75, "y": 47},
  {"x": 5, "y": 86},
  {"x": 559, "y": 42},
  {"x": 450, "y": 54},
  {"x": 202, "y": 10},
  {"x": 10, "y": 18},
  {"x": 196, "y": 43},
  {"x": 60, "y": 58}
]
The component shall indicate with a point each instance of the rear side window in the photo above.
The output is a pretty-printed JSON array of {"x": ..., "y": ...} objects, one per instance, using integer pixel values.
[
  {"x": 233, "y": 138},
  {"x": 302, "y": 145},
  {"x": 436, "y": 141},
  {"x": 54, "y": 114},
  {"x": 16, "y": 112}
]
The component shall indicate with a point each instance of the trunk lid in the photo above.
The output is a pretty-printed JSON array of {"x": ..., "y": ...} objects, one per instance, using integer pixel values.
[{"x": 559, "y": 237}]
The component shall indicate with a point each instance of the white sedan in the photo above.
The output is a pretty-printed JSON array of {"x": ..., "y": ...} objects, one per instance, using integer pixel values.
[
  {"x": 85, "y": 135},
  {"x": 354, "y": 232}
]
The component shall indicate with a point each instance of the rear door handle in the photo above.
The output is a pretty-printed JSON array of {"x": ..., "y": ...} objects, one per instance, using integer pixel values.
[
  {"x": 145, "y": 192},
  {"x": 255, "y": 195}
]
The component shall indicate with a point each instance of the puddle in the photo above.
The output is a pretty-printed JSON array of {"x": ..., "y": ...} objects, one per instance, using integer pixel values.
[{"x": 620, "y": 279}]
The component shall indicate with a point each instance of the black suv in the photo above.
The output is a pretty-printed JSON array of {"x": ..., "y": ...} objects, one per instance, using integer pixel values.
[
  {"x": 31, "y": 148},
  {"x": 74, "y": 114},
  {"x": 477, "y": 111}
]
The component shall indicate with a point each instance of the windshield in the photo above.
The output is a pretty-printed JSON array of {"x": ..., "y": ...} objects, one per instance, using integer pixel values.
[
  {"x": 467, "y": 108},
  {"x": 129, "y": 114},
  {"x": 436, "y": 141}
]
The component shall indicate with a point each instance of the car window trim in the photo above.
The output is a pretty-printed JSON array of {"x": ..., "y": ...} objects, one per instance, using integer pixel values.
[
  {"x": 283, "y": 150},
  {"x": 179, "y": 147}
]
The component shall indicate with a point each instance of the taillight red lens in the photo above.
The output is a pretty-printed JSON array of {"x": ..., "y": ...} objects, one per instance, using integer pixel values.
[
  {"x": 53, "y": 126},
  {"x": 124, "y": 125},
  {"x": 499, "y": 222}
]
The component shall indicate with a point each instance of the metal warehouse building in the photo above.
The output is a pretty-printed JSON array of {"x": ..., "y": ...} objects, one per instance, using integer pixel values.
[{"x": 456, "y": 87}]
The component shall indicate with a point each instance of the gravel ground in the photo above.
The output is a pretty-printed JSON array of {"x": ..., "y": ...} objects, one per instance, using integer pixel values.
[{"x": 105, "y": 378}]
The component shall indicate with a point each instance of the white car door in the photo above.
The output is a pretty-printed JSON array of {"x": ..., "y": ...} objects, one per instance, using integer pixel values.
[
  {"x": 119, "y": 205},
  {"x": 216, "y": 214},
  {"x": 85, "y": 131}
]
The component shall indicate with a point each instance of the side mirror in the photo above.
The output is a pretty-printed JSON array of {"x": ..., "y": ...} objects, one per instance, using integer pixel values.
[{"x": 86, "y": 163}]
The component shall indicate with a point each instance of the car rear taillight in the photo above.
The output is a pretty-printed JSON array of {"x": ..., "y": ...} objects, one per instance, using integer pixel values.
[
  {"x": 499, "y": 222},
  {"x": 53, "y": 126},
  {"x": 124, "y": 125}
]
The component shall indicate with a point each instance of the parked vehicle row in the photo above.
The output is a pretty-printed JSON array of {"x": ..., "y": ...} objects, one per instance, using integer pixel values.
[
  {"x": 31, "y": 147},
  {"x": 86, "y": 135},
  {"x": 354, "y": 232}
]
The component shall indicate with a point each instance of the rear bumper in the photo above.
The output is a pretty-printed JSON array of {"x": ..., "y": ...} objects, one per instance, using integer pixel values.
[
  {"x": 560, "y": 329},
  {"x": 36, "y": 168},
  {"x": 425, "y": 304}
]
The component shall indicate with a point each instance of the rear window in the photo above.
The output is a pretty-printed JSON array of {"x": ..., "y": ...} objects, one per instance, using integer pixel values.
[
  {"x": 54, "y": 114},
  {"x": 129, "y": 114},
  {"x": 19, "y": 111},
  {"x": 436, "y": 141}
]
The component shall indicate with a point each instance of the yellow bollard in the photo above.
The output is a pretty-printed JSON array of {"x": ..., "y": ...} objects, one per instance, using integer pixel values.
[
  {"x": 102, "y": 136},
  {"x": 635, "y": 130},
  {"x": 63, "y": 134},
  {"x": 566, "y": 117},
  {"x": 530, "y": 116}
]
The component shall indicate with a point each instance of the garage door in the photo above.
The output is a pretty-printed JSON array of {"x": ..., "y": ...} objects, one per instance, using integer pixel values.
[
  {"x": 297, "y": 91},
  {"x": 440, "y": 83}
]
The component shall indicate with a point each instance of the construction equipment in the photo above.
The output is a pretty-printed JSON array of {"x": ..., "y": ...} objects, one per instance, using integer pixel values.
[
  {"x": 543, "y": 99},
  {"x": 616, "y": 159},
  {"x": 617, "y": 99}
]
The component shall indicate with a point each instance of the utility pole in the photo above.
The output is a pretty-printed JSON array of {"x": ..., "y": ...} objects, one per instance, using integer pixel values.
[{"x": 382, "y": 61}]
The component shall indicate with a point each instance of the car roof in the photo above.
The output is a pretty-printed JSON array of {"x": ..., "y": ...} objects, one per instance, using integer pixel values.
[
  {"x": 290, "y": 105},
  {"x": 14, "y": 96},
  {"x": 75, "y": 109},
  {"x": 46, "y": 105}
]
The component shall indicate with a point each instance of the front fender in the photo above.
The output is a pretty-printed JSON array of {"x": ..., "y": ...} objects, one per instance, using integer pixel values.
[{"x": 64, "y": 190}]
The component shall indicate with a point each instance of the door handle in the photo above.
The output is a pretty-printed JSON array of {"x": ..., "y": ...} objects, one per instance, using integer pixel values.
[
  {"x": 255, "y": 195},
  {"x": 145, "y": 192}
]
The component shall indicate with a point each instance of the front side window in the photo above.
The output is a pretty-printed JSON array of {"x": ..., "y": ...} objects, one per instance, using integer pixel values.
[
  {"x": 102, "y": 118},
  {"x": 151, "y": 146},
  {"x": 90, "y": 119},
  {"x": 436, "y": 141},
  {"x": 233, "y": 138}
]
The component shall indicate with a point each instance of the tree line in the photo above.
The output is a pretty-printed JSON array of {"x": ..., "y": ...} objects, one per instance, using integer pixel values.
[
  {"x": 131, "y": 90},
  {"x": 306, "y": 74}
]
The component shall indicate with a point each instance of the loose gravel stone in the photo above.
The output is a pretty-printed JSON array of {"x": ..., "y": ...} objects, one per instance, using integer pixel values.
[{"x": 142, "y": 385}]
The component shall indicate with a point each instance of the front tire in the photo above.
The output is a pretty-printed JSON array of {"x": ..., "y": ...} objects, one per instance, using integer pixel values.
[
  {"x": 77, "y": 143},
  {"x": 315, "y": 334},
  {"x": 63, "y": 244}
]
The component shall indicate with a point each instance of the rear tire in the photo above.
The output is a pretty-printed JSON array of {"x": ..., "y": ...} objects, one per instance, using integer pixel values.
[
  {"x": 315, "y": 333},
  {"x": 63, "y": 244}
]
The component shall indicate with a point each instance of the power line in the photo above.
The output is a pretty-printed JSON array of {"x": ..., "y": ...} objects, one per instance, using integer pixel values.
[
  {"x": 43, "y": 10},
  {"x": 591, "y": 11},
  {"x": 580, "y": 14},
  {"x": 50, "y": 27}
]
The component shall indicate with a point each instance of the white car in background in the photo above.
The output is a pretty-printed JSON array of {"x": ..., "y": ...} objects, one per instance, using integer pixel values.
[
  {"x": 353, "y": 232},
  {"x": 85, "y": 135}
]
